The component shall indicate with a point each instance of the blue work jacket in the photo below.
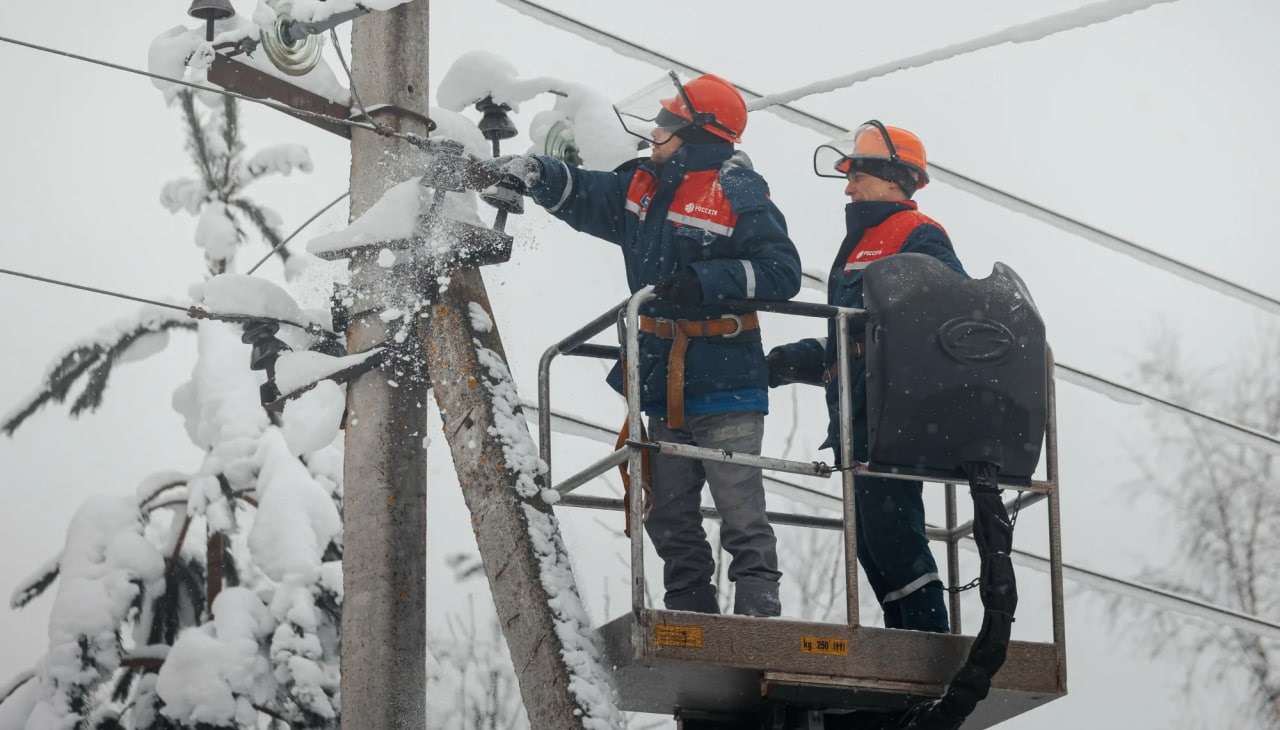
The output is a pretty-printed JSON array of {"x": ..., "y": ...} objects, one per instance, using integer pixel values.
[
  {"x": 868, "y": 236},
  {"x": 706, "y": 209}
]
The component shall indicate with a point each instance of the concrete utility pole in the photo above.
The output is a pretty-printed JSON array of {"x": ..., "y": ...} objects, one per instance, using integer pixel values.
[
  {"x": 384, "y": 620},
  {"x": 384, "y": 617}
]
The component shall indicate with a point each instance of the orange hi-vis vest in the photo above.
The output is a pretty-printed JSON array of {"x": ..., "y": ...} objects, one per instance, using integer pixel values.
[
  {"x": 699, "y": 202},
  {"x": 887, "y": 238}
]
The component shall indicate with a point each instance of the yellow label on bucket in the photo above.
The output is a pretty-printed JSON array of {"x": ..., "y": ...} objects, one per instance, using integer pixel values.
[
  {"x": 820, "y": 645},
  {"x": 687, "y": 637}
]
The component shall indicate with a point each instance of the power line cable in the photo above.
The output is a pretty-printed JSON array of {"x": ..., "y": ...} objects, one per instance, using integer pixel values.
[
  {"x": 296, "y": 231},
  {"x": 193, "y": 311},
  {"x": 1094, "y": 14},
  {"x": 1247, "y": 435},
  {"x": 337, "y": 47},
  {"x": 1159, "y": 596},
  {"x": 105, "y": 292},
  {"x": 945, "y": 174}
]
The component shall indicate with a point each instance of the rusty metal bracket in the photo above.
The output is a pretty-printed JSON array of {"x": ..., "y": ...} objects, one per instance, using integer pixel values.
[
  {"x": 378, "y": 112},
  {"x": 249, "y": 81},
  {"x": 244, "y": 79}
]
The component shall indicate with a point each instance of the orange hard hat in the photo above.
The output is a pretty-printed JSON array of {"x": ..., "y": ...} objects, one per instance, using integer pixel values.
[
  {"x": 716, "y": 106},
  {"x": 873, "y": 142}
]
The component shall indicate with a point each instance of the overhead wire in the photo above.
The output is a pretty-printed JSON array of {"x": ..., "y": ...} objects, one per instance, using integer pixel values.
[
  {"x": 193, "y": 311},
  {"x": 945, "y": 174},
  {"x": 1039, "y": 29},
  {"x": 95, "y": 290},
  {"x": 1102, "y": 385},
  {"x": 296, "y": 231}
]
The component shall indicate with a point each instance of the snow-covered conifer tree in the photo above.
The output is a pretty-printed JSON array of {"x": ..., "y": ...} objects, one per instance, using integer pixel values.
[{"x": 210, "y": 599}]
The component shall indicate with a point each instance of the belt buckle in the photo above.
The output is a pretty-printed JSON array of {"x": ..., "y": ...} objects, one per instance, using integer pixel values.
[
  {"x": 659, "y": 323},
  {"x": 737, "y": 321}
]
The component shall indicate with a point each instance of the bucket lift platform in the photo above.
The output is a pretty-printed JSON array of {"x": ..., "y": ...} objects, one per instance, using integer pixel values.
[
  {"x": 668, "y": 662},
  {"x": 993, "y": 387}
]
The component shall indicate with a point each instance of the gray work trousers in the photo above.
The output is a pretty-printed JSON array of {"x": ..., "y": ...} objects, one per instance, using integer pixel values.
[{"x": 675, "y": 521}]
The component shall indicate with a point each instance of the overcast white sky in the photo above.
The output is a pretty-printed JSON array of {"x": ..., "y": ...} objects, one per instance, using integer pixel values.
[{"x": 1157, "y": 127}]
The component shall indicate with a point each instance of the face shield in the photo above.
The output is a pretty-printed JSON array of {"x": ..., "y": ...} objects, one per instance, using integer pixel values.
[
  {"x": 869, "y": 141},
  {"x": 661, "y": 105}
]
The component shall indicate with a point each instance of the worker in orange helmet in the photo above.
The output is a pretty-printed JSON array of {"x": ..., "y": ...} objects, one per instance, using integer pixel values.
[
  {"x": 695, "y": 221},
  {"x": 883, "y": 167}
]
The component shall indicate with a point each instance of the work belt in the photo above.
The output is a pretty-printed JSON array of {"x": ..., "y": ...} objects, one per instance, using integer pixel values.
[
  {"x": 679, "y": 331},
  {"x": 857, "y": 351}
]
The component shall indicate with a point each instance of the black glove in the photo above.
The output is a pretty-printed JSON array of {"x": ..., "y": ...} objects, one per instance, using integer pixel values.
[
  {"x": 779, "y": 368},
  {"x": 519, "y": 172},
  {"x": 682, "y": 289}
]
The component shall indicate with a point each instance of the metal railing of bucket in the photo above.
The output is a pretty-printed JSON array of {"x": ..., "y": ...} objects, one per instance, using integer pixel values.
[{"x": 625, "y": 317}]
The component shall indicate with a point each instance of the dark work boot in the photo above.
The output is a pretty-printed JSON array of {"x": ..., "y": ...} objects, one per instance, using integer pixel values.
[
  {"x": 701, "y": 599},
  {"x": 756, "y": 597}
]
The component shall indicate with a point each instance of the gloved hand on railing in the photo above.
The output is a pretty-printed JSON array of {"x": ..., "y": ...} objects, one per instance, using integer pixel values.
[{"x": 779, "y": 368}]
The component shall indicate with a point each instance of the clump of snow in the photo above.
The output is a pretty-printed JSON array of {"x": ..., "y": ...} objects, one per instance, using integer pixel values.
[
  {"x": 215, "y": 673},
  {"x": 480, "y": 320},
  {"x": 312, "y": 420},
  {"x": 475, "y": 75},
  {"x": 452, "y": 125},
  {"x": 104, "y": 566},
  {"x": 393, "y": 217},
  {"x": 280, "y": 159},
  {"x": 183, "y": 194},
  {"x": 144, "y": 347},
  {"x": 296, "y": 519},
  {"x": 216, "y": 232},
  {"x": 250, "y": 295},
  {"x": 150, "y": 487},
  {"x": 581, "y": 112},
  {"x": 167, "y": 56},
  {"x": 295, "y": 370},
  {"x": 229, "y": 420},
  {"x": 316, "y": 10},
  {"x": 399, "y": 213},
  {"x": 588, "y": 117}
]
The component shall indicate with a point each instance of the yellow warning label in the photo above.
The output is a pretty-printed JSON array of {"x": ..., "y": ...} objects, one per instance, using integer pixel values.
[
  {"x": 687, "y": 637},
  {"x": 819, "y": 645}
]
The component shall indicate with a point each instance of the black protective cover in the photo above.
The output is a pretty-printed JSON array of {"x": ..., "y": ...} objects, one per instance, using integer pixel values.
[{"x": 956, "y": 370}]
